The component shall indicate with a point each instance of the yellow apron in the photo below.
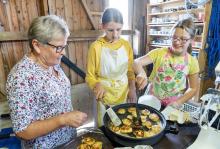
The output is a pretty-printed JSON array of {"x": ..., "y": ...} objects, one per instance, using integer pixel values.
[{"x": 113, "y": 70}]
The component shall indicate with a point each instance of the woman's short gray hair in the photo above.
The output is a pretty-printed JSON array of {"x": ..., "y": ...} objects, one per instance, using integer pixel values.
[{"x": 47, "y": 28}]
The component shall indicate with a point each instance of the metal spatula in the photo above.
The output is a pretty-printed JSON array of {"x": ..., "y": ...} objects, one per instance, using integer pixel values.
[{"x": 112, "y": 115}]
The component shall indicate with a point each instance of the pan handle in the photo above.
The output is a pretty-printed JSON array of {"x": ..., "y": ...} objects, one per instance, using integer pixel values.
[
  {"x": 172, "y": 128},
  {"x": 5, "y": 116}
]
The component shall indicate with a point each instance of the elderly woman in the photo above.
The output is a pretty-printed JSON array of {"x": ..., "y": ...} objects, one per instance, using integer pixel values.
[{"x": 38, "y": 91}]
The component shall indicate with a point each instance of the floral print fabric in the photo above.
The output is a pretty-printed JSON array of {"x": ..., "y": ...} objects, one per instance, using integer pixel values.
[
  {"x": 35, "y": 94},
  {"x": 170, "y": 80},
  {"x": 171, "y": 77}
]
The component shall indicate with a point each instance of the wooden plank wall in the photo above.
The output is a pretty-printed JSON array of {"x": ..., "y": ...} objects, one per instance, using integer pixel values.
[{"x": 16, "y": 15}]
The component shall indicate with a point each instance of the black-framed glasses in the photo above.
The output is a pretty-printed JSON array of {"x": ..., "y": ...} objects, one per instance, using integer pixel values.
[
  {"x": 58, "y": 49},
  {"x": 180, "y": 39}
]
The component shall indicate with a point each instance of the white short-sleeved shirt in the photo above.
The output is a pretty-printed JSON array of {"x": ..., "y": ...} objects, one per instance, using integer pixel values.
[{"x": 35, "y": 94}]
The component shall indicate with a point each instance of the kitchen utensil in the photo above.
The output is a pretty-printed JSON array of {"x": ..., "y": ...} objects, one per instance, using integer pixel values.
[
  {"x": 209, "y": 134},
  {"x": 138, "y": 111},
  {"x": 112, "y": 115}
]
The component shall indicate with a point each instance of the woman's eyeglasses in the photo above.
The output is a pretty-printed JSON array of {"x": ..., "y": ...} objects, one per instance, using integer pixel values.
[
  {"x": 58, "y": 49},
  {"x": 180, "y": 39}
]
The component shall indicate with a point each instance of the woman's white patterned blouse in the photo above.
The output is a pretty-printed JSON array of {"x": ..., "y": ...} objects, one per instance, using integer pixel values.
[{"x": 35, "y": 94}]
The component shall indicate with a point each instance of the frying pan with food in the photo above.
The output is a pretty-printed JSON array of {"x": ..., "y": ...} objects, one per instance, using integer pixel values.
[
  {"x": 132, "y": 141},
  {"x": 85, "y": 133}
]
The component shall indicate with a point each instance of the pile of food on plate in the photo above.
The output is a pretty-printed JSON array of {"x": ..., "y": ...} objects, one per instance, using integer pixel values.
[
  {"x": 89, "y": 143},
  {"x": 148, "y": 125},
  {"x": 174, "y": 114}
]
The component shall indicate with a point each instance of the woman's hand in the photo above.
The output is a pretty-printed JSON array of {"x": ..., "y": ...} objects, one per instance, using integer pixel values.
[
  {"x": 141, "y": 80},
  {"x": 73, "y": 118},
  {"x": 132, "y": 97},
  {"x": 175, "y": 104},
  {"x": 99, "y": 91}
]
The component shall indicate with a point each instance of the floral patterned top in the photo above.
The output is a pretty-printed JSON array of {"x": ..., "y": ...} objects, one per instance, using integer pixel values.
[{"x": 35, "y": 94}]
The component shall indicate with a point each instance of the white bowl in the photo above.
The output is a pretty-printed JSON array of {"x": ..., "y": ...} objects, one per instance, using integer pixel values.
[{"x": 150, "y": 100}]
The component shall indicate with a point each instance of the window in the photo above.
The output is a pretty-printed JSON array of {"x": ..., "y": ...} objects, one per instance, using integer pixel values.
[{"x": 124, "y": 10}]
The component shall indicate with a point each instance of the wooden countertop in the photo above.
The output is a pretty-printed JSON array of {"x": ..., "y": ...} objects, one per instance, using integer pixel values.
[{"x": 186, "y": 136}]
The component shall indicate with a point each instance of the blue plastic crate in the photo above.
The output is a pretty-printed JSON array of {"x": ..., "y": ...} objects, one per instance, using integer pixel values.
[{"x": 11, "y": 142}]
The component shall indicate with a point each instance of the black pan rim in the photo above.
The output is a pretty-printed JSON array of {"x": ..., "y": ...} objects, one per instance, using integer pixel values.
[{"x": 125, "y": 105}]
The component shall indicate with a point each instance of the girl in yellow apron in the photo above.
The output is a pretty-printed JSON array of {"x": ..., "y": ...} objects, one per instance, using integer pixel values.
[
  {"x": 109, "y": 65},
  {"x": 173, "y": 68}
]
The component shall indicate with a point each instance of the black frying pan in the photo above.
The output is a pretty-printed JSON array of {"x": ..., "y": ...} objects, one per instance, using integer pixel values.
[
  {"x": 87, "y": 132},
  {"x": 131, "y": 141}
]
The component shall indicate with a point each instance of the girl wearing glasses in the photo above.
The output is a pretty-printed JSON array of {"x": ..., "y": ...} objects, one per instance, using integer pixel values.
[
  {"x": 174, "y": 78},
  {"x": 109, "y": 69},
  {"x": 38, "y": 91}
]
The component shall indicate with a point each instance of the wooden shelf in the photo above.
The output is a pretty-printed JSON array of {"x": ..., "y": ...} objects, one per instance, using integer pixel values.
[
  {"x": 159, "y": 25},
  {"x": 196, "y": 49},
  {"x": 181, "y": 11},
  {"x": 199, "y": 23},
  {"x": 171, "y": 24},
  {"x": 165, "y": 35},
  {"x": 163, "y": 3},
  {"x": 159, "y": 45},
  {"x": 162, "y": 24},
  {"x": 166, "y": 45}
]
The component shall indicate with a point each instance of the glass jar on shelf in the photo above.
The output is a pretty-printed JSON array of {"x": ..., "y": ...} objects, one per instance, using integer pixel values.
[{"x": 155, "y": 9}]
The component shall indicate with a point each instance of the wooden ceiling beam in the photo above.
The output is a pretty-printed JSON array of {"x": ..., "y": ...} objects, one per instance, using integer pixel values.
[{"x": 74, "y": 36}]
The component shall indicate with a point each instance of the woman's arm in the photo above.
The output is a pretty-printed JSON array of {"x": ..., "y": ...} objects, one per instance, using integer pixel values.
[
  {"x": 140, "y": 62},
  {"x": 132, "y": 97},
  {"x": 93, "y": 60},
  {"x": 91, "y": 76},
  {"x": 141, "y": 78},
  {"x": 43, "y": 127}
]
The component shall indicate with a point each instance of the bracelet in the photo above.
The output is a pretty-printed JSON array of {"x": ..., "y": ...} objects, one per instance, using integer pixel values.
[{"x": 142, "y": 75}]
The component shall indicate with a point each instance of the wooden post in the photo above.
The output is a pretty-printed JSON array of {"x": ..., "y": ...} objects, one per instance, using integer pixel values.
[{"x": 205, "y": 83}]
